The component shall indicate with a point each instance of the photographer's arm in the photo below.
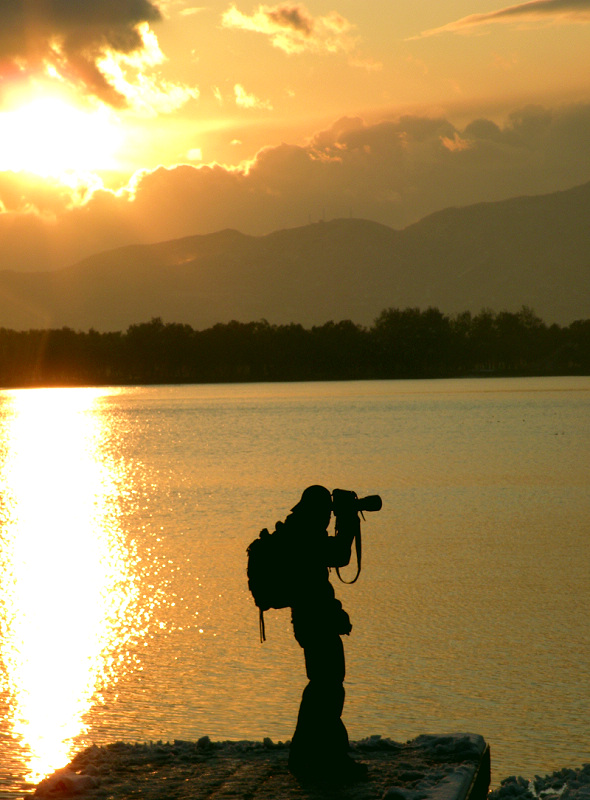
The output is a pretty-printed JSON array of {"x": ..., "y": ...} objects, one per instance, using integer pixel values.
[{"x": 339, "y": 547}]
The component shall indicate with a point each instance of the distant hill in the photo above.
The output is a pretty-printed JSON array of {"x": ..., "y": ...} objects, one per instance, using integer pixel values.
[{"x": 531, "y": 251}]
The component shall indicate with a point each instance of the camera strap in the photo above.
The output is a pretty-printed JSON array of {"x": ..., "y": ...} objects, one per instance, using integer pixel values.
[{"x": 359, "y": 553}]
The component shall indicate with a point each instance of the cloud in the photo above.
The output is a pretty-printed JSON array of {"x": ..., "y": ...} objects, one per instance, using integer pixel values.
[
  {"x": 292, "y": 28},
  {"x": 190, "y": 12},
  {"x": 395, "y": 171},
  {"x": 78, "y": 43},
  {"x": 246, "y": 100},
  {"x": 132, "y": 76},
  {"x": 368, "y": 64},
  {"x": 555, "y": 11},
  {"x": 456, "y": 143}
]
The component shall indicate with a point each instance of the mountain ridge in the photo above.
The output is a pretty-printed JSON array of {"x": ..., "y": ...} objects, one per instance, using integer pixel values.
[{"x": 529, "y": 250}]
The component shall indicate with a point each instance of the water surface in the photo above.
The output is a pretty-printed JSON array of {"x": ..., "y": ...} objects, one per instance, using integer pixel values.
[{"x": 124, "y": 521}]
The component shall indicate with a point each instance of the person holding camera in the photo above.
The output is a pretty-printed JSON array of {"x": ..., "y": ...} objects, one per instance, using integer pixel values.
[{"x": 319, "y": 747}]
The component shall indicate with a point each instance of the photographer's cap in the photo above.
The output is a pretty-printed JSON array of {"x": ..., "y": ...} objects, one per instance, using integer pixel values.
[{"x": 314, "y": 498}]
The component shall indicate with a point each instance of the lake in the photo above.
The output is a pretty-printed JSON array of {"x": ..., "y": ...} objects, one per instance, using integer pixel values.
[{"x": 126, "y": 513}]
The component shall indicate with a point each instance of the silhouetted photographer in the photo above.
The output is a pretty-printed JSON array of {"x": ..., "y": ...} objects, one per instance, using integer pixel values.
[{"x": 319, "y": 748}]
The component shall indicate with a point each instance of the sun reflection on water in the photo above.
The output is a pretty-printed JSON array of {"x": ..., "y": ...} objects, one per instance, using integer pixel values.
[{"x": 69, "y": 603}]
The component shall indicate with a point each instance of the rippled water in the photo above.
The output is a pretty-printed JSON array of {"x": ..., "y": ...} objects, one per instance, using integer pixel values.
[{"x": 125, "y": 516}]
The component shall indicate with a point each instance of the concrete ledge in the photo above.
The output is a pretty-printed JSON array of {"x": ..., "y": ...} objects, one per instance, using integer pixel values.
[{"x": 430, "y": 767}]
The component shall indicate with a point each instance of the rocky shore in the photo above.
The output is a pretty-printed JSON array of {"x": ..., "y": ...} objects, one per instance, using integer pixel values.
[
  {"x": 427, "y": 768},
  {"x": 566, "y": 784},
  {"x": 454, "y": 767}
]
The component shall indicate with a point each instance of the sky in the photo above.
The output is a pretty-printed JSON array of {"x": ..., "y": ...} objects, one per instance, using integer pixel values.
[{"x": 128, "y": 121}]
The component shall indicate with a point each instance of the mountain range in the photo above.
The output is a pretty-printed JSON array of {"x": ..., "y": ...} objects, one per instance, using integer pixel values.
[{"x": 532, "y": 251}]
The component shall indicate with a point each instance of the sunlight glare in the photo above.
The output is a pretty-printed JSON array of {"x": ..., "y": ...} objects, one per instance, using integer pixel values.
[
  {"x": 69, "y": 596},
  {"x": 49, "y": 136}
]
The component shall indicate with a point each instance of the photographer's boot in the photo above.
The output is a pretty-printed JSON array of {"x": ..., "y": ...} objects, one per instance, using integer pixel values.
[{"x": 351, "y": 771}]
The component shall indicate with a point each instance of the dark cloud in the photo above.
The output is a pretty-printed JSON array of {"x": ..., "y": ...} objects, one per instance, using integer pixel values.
[
  {"x": 70, "y": 37},
  {"x": 394, "y": 172},
  {"x": 293, "y": 29},
  {"x": 296, "y": 17}
]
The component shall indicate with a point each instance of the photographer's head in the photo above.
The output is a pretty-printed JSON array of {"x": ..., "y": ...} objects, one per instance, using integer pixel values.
[{"x": 315, "y": 505}]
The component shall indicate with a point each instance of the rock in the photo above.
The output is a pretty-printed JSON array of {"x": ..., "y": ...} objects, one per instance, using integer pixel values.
[{"x": 64, "y": 783}]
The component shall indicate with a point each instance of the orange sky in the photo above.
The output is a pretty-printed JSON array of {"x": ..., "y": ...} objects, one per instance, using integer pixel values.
[{"x": 144, "y": 120}]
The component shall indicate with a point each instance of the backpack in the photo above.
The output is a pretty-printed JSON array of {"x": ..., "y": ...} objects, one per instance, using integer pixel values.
[{"x": 270, "y": 571}]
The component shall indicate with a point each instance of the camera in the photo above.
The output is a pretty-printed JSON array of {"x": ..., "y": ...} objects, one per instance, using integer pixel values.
[{"x": 344, "y": 501}]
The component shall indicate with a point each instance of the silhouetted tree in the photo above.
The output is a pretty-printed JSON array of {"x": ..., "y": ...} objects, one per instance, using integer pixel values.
[
  {"x": 576, "y": 351},
  {"x": 340, "y": 350},
  {"x": 401, "y": 343},
  {"x": 412, "y": 343},
  {"x": 483, "y": 337}
]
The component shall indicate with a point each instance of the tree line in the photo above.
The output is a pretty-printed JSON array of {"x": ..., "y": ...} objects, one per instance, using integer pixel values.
[{"x": 401, "y": 343}]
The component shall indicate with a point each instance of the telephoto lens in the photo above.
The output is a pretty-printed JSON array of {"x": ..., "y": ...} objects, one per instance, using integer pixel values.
[{"x": 371, "y": 502}]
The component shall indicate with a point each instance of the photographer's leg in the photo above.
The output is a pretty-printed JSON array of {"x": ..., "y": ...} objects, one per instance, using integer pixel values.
[{"x": 320, "y": 739}]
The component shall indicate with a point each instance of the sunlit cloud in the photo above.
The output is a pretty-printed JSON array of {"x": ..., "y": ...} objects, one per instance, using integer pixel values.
[
  {"x": 291, "y": 28},
  {"x": 43, "y": 197},
  {"x": 395, "y": 171},
  {"x": 547, "y": 11},
  {"x": 456, "y": 143},
  {"x": 367, "y": 63},
  {"x": 68, "y": 40},
  {"x": 195, "y": 154},
  {"x": 247, "y": 100},
  {"x": 134, "y": 78},
  {"x": 190, "y": 12}
]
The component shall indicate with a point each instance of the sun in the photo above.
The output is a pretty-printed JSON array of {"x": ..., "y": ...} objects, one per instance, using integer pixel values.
[{"x": 49, "y": 136}]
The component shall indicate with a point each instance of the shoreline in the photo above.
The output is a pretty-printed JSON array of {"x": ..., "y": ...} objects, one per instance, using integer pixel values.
[
  {"x": 454, "y": 767},
  {"x": 430, "y": 767}
]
